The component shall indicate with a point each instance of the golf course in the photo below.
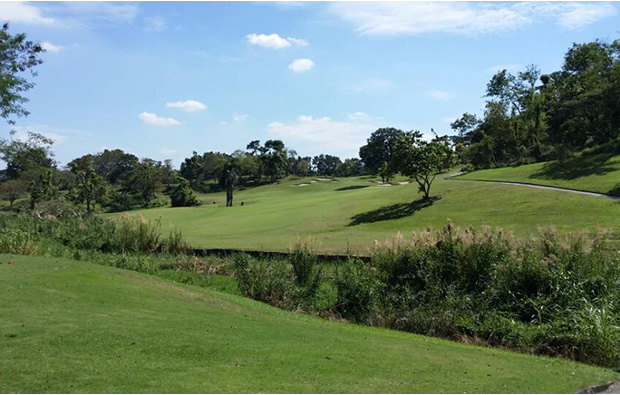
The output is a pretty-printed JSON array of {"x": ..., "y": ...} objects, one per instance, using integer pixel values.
[
  {"x": 349, "y": 214},
  {"x": 76, "y": 327},
  {"x": 309, "y": 197}
]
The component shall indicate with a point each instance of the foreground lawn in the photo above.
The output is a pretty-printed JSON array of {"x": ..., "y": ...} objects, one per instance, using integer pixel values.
[
  {"x": 596, "y": 173},
  {"x": 351, "y": 213},
  {"x": 69, "y": 326}
]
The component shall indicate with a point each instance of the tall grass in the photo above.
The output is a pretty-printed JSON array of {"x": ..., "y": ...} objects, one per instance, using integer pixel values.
[{"x": 555, "y": 294}]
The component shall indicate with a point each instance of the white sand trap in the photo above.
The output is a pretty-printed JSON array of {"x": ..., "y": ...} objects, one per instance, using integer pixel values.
[
  {"x": 323, "y": 179},
  {"x": 385, "y": 185},
  {"x": 403, "y": 183},
  {"x": 313, "y": 182},
  {"x": 301, "y": 185}
]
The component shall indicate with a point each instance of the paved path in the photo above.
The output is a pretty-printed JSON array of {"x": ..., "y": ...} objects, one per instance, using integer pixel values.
[
  {"x": 525, "y": 184},
  {"x": 612, "y": 388}
]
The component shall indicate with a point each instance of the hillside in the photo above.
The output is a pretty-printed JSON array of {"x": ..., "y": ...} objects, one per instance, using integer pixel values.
[
  {"x": 351, "y": 213},
  {"x": 75, "y": 327},
  {"x": 596, "y": 173}
]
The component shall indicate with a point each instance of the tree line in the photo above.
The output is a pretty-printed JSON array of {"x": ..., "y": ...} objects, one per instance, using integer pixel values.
[{"x": 530, "y": 117}]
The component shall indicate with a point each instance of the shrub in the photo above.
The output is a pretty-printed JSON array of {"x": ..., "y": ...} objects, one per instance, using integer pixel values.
[
  {"x": 183, "y": 196},
  {"x": 16, "y": 241}
]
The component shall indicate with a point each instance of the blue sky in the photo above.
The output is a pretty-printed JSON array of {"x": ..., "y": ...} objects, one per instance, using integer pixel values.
[{"x": 162, "y": 79}]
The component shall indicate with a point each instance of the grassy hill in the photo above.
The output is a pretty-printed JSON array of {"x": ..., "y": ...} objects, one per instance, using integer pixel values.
[
  {"x": 354, "y": 212},
  {"x": 68, "y": 326},
  {"x": 597, "y": 173}
]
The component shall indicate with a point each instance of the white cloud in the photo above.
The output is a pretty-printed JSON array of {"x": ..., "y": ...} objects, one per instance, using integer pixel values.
[
  {"x": 440, "y": 95},
  {"x": 154, "y": 24},
  {"x": 150, "y": 118},
  {"x": 358, "y": 116},
  {"x": 394, "y": 18},
  {"x": 187, "y": 105},
  {"x": 584, "y": 14},
  {"x": 240, "y": 117},
  {"x": 18, "y": 12},
  {"x": 59, "y": 135},
  {"x": 324, "y": 134},
  {"x": 299, "y": 65},
  {"x": 273, "y": 41},
  {"x": 49, "y": 47}
]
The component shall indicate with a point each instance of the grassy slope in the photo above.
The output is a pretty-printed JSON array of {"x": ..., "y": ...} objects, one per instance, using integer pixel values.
[
  {"x": 276, "y": 216},
  {"x": 69, "y": 326},
  {"x": 597, "y": 173}
]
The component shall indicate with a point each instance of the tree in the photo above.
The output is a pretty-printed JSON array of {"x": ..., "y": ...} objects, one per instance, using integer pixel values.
[
  {"x": 350, "y": 168},
  {"x": 228, "y": 179},
  {"x": 379, "y": 150},
  {"x": 32, "y": 155},
  {"x": 422, "y": 160},
  {"x": 192, "y": 169},
  {"x": 144, "y": 181},
  {"x": 17, "y": 56},
  {"x": 275, "y": 159},
  {"x": 12, "y": 190},
  {"x": 90, "y": 187},
  {"x": 42, "y": 188},
  {"x": 182, "y": 195},
  {"x": 326, "y": 165}
]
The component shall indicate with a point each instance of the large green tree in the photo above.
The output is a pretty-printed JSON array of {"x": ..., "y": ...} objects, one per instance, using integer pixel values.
[
  {"x": 18, "y": 57},
  {"x": 378, "y": 153},
  {"x": 89, "y": 186},
  {"x": 423, "y": 160}
]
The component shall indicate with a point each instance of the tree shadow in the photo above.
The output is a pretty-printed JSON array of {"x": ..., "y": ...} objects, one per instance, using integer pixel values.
[
  {"x": 581, "y": 166},
  {"x": 351, "y": 187},
  {"x": 394, "y": 211}
]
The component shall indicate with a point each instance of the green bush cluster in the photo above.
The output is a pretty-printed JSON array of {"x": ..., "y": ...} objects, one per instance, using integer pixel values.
[{"x": 555, "y": 295}]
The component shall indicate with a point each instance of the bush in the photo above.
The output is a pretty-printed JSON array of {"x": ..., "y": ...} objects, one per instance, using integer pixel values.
[
  {"x": 16, "y": 241},
  {"x": 183, "y": 196}
]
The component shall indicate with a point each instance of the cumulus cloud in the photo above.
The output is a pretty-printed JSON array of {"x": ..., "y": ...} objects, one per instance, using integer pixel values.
[
  {"x": 187, "y": 105},
  {"x": 49, "y": 47},
  {"x": 299, "y": 65},
  {"x": 18, "y": 12},
  {"x": 324, "y": 134},
  {"x": 150, "y": 118},
  {"x": 395, "y": 18},
  {"x": 273, "y": 41},
  {"x": 440, "y": 95}
]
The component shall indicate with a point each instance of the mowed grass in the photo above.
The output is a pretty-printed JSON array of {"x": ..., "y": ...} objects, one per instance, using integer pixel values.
[
  {"x": 596, "y": 173},
  {"x": 351, "y": 213},
  {"x": 68, "y": 326}
]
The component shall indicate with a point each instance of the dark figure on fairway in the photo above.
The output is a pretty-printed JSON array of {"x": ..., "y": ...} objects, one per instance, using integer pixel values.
[{"x": 228, "y": 179}]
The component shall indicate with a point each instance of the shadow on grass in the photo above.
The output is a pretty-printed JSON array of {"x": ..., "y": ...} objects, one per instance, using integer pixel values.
[
  {"x": 351, "y": 187},
  {"x": 394, "y": 211},
  {"x": 581, "y": 166}
]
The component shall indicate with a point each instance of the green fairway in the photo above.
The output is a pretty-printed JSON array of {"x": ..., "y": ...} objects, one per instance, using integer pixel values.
[
  {"x": 597, "y": 173},
  {"x": 354, "y": 212},
  {"x": 68, "y": 326}
]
